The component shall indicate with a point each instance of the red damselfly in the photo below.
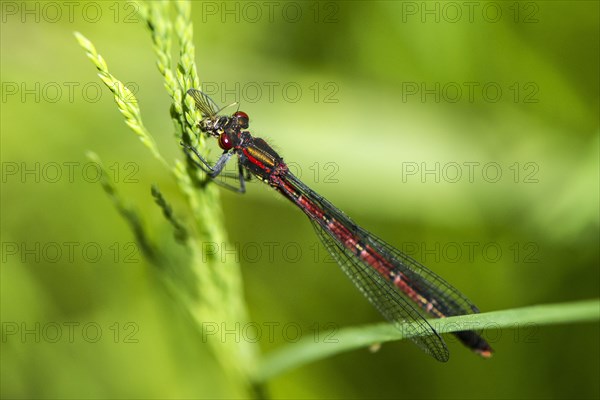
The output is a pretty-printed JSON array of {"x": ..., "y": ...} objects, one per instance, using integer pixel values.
[{"x": 403, "y": 290}]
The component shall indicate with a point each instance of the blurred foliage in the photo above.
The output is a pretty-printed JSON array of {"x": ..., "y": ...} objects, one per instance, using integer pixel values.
[{"x": 384, "y": 95}]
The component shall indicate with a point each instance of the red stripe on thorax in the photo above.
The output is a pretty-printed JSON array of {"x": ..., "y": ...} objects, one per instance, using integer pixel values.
[{"x": 255, "y": 161}]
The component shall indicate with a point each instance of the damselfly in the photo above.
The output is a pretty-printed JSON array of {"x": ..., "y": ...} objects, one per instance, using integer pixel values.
[{"x": 403, "y": 290}]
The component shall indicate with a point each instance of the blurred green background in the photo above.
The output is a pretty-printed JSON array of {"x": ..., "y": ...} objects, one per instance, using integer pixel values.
[{"x": 363, "y": 99}]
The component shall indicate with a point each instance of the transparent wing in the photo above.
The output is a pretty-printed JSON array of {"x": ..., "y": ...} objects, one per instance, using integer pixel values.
[
  {"x": 436, "y": 296},
  {"x": 385, "y": 297},
  {"x": 205, "y": 104},
  {"x": 449, "y": 300}
]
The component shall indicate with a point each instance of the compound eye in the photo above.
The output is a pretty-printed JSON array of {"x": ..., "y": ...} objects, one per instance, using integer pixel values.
[
  {"x": 225, "y": 141},
  {"x": 242, "y": 119}
]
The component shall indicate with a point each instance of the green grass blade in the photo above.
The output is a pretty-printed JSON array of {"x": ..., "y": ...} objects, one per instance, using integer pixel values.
[
  {"x": 309, "y": 350},
  {"x": 129, "y": 214},
  {"x": 125, "y": 99},
  {"x": 179, "y": 230}
]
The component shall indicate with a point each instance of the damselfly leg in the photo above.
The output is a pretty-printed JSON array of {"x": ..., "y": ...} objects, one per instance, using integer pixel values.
[{"x": 215, "y": 171}]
